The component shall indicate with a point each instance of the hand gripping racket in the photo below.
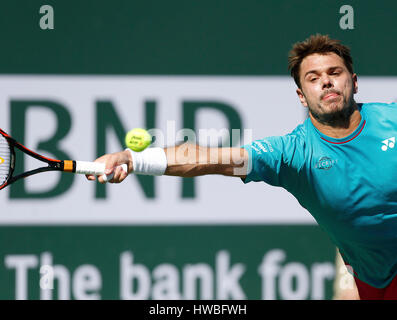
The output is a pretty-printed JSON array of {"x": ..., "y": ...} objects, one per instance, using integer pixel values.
[{"x": 7, "y": 163}]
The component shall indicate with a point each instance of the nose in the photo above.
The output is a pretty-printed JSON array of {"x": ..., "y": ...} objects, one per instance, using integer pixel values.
[{"x": 326, "y": 81}]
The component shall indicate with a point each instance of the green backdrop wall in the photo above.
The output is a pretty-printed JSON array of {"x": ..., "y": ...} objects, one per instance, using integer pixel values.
[{"x": 188, "y": 37}]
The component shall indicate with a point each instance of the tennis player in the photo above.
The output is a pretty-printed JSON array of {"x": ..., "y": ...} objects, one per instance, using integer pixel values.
[{"x": 340, "y": 164}]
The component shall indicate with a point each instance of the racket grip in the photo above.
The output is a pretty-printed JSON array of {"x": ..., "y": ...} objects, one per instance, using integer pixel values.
[
  {"x": 95, "y": 168},
  {"x": 85, "y": 167}
]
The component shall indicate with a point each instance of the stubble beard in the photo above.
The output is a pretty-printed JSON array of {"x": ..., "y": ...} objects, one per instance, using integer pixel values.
[{"x": 338, "y": 118}]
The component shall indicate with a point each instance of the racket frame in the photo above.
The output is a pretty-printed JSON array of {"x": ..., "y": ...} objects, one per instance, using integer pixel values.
[
  {"x": 53, "y": 164},
  {"x": 81, "y": 167}
]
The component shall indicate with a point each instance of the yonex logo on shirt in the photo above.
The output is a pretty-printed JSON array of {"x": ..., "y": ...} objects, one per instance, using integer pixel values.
[{"x": 388, "y": 143}]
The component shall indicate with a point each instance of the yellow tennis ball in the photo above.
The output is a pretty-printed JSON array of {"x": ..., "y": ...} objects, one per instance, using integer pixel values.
[{"x": 138, "y": 139}]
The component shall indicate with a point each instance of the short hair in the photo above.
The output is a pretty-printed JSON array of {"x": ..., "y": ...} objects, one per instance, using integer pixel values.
[{"x": 321, "y": 44}]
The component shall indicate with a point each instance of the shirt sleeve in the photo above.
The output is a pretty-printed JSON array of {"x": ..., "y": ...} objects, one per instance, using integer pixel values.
[{"x": 275, "y": 160}]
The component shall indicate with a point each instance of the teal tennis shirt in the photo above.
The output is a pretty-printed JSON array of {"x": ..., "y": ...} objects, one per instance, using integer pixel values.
[{"x": 349, "y": 185}]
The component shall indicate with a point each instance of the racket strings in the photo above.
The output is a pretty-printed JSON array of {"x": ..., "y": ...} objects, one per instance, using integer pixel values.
[{"x": 5, "y": 160}]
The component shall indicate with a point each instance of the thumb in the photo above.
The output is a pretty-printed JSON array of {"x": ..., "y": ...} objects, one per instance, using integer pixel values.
[
  {"x": 111, "y": 164},
  {"x": 108, "y": 173},
  {"x": 109, "y": 169}
]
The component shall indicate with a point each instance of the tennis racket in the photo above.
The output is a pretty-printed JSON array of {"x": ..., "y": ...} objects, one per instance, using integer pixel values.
[{"x": 7, "y": 163}]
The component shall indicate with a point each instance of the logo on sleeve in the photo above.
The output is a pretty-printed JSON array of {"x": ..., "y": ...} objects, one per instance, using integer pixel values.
[
  {"x": 388, "y": 143},
  {"x": 325, "y": 163},
  {"x": 1, "y": 160}
]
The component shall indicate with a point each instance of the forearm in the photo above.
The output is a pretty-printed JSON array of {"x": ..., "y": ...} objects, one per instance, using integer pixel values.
[{"x": 190, "y": 160}]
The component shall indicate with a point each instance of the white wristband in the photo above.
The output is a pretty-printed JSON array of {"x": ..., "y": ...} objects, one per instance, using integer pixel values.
[{"x": 151, "y": 161}]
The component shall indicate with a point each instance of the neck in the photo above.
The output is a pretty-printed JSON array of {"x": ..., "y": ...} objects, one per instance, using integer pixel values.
[{"x": 340, "y": 128}]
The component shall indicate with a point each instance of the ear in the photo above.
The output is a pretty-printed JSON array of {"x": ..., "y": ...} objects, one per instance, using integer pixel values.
[
  {"x": 302, "y": 97},
  {"x": 355, "y": 83}
]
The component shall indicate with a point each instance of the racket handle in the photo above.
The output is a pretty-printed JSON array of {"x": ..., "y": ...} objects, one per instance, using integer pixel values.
[{"x": 95, "y": 168}]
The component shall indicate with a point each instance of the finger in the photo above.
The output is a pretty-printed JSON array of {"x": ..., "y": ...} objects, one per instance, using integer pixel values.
[
  {"x": 110, "y": 164},
  {"x": 123, "y": 175},
  {"x": 109, "y": 170},
  {"x": 117, "y": 175},
  {"x": 107, "y": 177},
  {"x": 123, "y": 172},
  {"x": 90, "y": 177},
  {"x": 100, "y": 180}
]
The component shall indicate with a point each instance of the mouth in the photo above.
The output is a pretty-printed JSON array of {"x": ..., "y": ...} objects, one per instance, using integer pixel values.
[{"x": 330, "y": 96}]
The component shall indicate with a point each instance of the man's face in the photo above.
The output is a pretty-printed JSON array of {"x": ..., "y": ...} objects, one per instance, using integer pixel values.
[{"x": 327, "y": 87}]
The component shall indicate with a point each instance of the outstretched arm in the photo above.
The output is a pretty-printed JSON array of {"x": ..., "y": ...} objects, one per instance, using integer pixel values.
[
  {"x": 190, "y": 160},
  {"x": 185, "y": 160}
]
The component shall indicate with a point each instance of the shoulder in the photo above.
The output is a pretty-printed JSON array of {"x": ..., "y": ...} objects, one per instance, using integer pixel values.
[
  {"x": 298, "y": 136},
  {"x": 300, "y": 132},
  {"x": 291, "y": 147},
  {"x": 377, "y": 105},
  {"x": 286, "y": 145},
  {"x": 285, "y": 142}
]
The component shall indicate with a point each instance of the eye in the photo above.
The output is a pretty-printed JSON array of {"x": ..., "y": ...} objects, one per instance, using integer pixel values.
[
  {"x": 335, "y": 73},
  {"x": 313, "y": 79}
]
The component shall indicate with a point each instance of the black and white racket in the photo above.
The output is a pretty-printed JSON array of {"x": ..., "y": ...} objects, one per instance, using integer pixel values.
[{"x": 7, "y": 163}]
